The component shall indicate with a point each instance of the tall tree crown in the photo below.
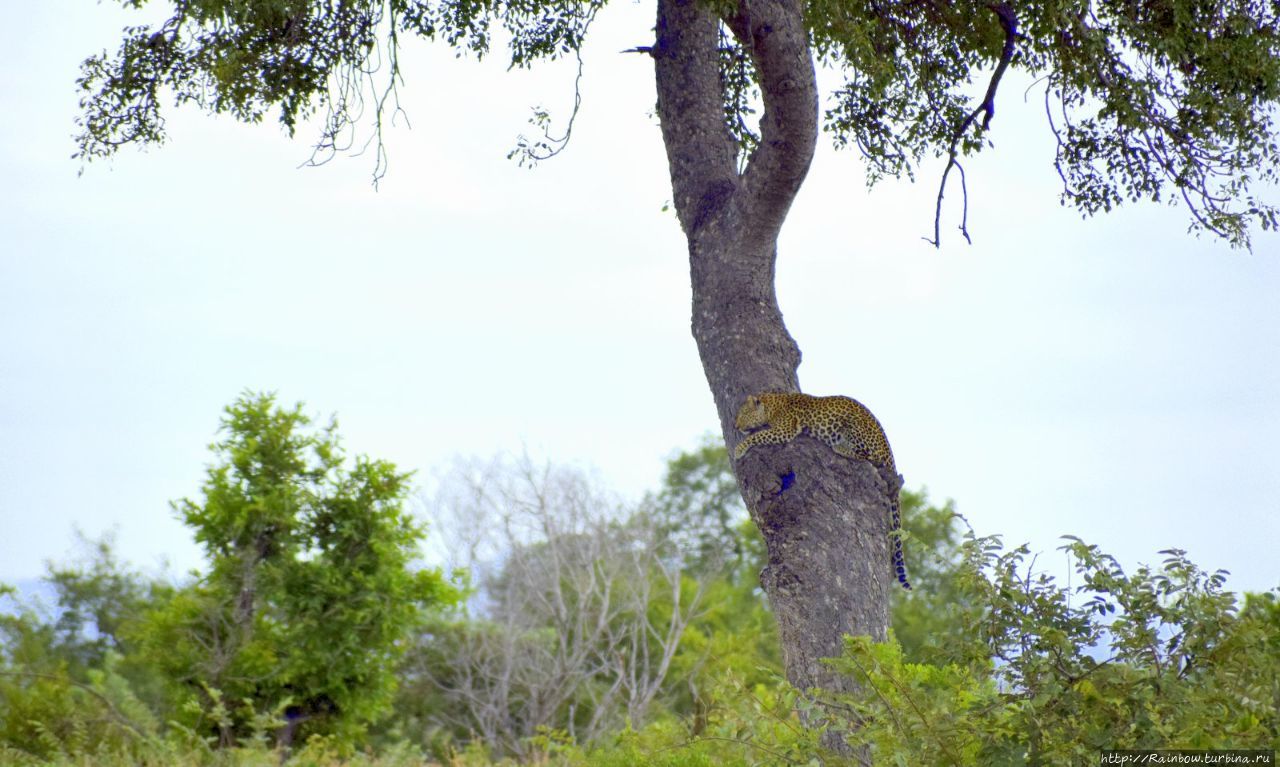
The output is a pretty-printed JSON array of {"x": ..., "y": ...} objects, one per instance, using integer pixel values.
[{"x": 1147, "y": 100}]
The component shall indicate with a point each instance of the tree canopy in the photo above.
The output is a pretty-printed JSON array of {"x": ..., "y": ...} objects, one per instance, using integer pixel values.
[
  {"x": 1148, "y": 100},
  {"x": 311, "y": 590},
  {"x": 997, "y": 662}
]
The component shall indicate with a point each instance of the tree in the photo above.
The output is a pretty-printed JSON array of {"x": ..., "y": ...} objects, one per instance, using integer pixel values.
[
  {"x": 699, "y": 508},
  {"x": 68, "y": 678},
  {"x": 1042, "y": 673},
  {"x": 699, "y": 511},
  {"x": 310, "y": 591},
  {"x": 95, "y": 599},
  {"x": 578, "y": 613},
  {"x": 1147, "y": 101},
  {"x": 1161, "y": 658},
  {"x": 936, "y": 609}
]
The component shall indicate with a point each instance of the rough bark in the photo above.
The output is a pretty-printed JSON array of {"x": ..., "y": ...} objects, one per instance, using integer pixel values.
[{"x": 824, "y": 517}]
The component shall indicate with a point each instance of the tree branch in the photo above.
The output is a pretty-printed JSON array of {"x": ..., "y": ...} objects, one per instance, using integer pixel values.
[
  {"x": 700, "y": 151},
  {"x": 774, "y": 33},
  {"x": 530, "y": 152},
  {"x": 987, "y": 108}
]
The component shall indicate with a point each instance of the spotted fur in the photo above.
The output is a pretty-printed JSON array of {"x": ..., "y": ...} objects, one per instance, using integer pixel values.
[{"x": 842, "y": 422}]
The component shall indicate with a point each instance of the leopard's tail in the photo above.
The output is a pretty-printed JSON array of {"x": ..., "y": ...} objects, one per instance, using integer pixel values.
[{"x": 899, "y": 561}]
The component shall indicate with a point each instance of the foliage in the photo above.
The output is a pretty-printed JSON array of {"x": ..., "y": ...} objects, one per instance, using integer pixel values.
[
  {"x": 991, "y": 661},
  {"x": 699, "y": 509},
  {"x": 729, "y": 648},
  {"x": 1155, "y": 101},
  {"x": 743, "y": 725},
  {"x": 579, "y": 611},
  {"x": 296, "y": 628},
  {"x": 926, "y": 619},
  {"x": 1143, "y": 98},
  {"x": 45, "y": 714},
  {"x": 733, "y": 637},
  {"x": 586, "y": 614},
  {"x": 66, "y": 686},
  {"x": 1045, "y": 675},
  {"x": 182, "y": 753},
  {"x": 298, "y": 57},
  {"x": 1162, "y": 658},
  {"x": 701, "y": 512},
  {"x": 95, "y": 598},
  {"x": 310, "y": 589}
]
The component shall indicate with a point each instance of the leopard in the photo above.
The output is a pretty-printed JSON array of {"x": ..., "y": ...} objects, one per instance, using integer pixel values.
[{"x": 843, "y": 423}]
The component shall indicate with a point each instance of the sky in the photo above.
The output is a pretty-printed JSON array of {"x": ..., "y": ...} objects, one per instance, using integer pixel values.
[{"x": 1114, "y": 378}]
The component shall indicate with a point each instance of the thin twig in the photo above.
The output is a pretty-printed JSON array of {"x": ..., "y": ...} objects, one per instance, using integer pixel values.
[
  {"x": 1009, "y": 21},
  {"x": 550, "y": 146}
]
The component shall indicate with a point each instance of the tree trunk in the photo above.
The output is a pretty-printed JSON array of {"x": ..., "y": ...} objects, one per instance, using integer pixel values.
[{"x": 824, "y": 517}]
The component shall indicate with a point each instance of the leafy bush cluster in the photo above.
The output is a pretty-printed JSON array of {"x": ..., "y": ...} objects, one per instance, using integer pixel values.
[{"x": 585, "y": 631}]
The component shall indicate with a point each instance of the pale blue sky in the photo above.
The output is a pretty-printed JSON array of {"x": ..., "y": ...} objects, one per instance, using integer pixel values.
[{"x": 1115, "y": 379}]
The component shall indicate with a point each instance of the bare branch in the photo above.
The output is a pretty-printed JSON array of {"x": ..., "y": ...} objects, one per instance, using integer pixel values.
[
  {"x": 565, "y": 614},
  {"x": 987, "y": 108}
]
